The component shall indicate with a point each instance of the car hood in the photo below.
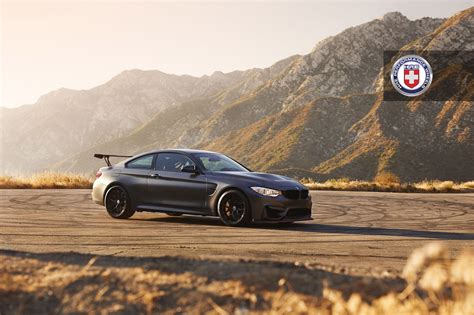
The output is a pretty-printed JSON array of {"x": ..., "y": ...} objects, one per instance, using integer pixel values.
[{"x": 273, "y": 181}]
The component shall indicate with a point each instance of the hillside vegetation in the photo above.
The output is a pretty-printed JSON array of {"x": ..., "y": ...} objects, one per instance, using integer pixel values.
[{"x": 385, "y": 182}]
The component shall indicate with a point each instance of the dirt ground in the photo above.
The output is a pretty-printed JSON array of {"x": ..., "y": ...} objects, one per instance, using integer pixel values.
[
  {"x": 60, "y": 253},
  {"x": 357, "y": 232}
]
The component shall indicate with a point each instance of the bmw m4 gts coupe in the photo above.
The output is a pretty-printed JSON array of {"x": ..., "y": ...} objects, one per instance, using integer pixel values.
[{"x": 197, "y": 182}]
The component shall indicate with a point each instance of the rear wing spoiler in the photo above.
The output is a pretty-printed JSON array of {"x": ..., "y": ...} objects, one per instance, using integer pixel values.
[{"x": 107, "y": 157}]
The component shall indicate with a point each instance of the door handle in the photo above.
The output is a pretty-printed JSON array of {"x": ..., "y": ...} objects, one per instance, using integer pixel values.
[{"x": 155, "y": 175}]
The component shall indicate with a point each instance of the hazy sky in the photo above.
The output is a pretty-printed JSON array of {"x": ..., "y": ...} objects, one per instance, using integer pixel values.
[{"x": 81, "y": 44}]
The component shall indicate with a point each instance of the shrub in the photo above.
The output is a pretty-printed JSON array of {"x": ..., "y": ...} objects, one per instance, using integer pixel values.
[{"x": 386, "y": 178}]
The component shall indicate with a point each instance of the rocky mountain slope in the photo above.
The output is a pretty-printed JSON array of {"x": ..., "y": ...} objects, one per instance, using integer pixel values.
[
  {"x": 341, "y": 65},
  {"x": 322, "y": 115},
  {"x": 65, "y": 122},
  {"x": 359, "y": 136}
]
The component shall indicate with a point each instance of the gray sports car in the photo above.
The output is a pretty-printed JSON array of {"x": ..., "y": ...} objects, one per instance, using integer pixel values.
[{"x": 197, "y": 182}]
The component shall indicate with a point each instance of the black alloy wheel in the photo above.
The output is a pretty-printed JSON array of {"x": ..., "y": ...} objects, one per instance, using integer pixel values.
[
  {"x": 117, "y": 203},
  {"x": 234, "y": 208}
]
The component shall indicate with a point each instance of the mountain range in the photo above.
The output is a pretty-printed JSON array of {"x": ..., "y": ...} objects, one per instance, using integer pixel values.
[{"x": 320, "y": 115}]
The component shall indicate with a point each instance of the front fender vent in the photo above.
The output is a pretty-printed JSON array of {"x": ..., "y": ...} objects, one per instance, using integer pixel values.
[{"x": 211, "y": 189}]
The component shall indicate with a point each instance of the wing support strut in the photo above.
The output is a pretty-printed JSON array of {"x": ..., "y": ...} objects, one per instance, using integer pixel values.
[{"x": 107, "y": 157}]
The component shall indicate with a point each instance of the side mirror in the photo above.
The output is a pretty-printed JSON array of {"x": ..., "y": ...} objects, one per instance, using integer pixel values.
[{"x": 190, "y": 169}]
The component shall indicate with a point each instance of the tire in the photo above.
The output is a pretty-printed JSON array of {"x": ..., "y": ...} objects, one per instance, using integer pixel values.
[
  {"x": 234, "y": 208},
  {"x": 117, "y": 203}
]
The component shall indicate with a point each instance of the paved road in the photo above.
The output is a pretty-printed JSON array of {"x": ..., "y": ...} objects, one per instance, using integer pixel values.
[{"x": 358, "y": 231}]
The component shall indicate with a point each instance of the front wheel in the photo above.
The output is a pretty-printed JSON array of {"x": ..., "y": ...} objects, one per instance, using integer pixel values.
[
  {"x": 117, "y": 203},
  {"x": 234, "y": 208}
]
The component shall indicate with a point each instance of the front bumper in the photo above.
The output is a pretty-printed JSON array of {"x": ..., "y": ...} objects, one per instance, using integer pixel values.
[{"x": 279, "y": 209}]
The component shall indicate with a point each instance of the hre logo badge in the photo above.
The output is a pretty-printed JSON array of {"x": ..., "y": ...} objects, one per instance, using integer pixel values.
[{"x": 411, "y": 75}]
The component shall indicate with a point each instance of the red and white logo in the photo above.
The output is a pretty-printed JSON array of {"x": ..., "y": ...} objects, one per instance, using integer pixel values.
[{"x": 411, "y": 75}]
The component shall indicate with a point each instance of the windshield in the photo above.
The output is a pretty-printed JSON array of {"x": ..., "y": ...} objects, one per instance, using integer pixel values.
[{"x": 219, "y": 163}]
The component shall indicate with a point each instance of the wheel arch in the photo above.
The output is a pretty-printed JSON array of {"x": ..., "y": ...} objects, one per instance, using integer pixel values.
[
  {"x": 110, "y": 185},
  {"x": 222, "y": 192}
]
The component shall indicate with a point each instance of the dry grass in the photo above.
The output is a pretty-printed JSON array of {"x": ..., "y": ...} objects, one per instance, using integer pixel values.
[
  {"x": 436, "y": 284},
  {"x": 432, "y": 283},
  {"x": 387, "y": 178},
  {"x": 388, "y": 184},
  {"x": 46, "y": 180}
]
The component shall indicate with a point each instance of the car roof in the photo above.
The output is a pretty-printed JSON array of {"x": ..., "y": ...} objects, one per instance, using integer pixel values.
[{"x": 188, "y": 151}]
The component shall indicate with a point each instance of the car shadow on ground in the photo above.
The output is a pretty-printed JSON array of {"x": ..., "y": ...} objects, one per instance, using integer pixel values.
[
  {"x": 324, "y": 228},
  {"x": 363, "y": 230}
]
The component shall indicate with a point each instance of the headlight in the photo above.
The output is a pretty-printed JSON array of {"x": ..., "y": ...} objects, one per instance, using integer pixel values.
[{"x": 266, "y": 191}]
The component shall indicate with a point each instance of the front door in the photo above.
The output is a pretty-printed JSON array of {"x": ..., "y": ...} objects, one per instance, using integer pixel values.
[
  {"x": 170, "y": 188},
  {"x": 135, "y": 176}
]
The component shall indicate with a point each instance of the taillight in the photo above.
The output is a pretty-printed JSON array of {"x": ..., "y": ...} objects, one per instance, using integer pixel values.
[{"x": 98, "y": 174}]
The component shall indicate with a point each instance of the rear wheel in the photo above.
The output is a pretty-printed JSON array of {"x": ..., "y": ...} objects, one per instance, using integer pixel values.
[
  {"x": 234, "y": 208},
  {"x": 117, "y": 203}
]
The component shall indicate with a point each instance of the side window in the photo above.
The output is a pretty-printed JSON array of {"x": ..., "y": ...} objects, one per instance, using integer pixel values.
[
  {"x": 144, "y": 162},
  {"x": 172, "y": 162}
]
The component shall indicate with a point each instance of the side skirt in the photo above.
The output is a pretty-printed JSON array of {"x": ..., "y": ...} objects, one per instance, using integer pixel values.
[{"x": 150, "y": 208}]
